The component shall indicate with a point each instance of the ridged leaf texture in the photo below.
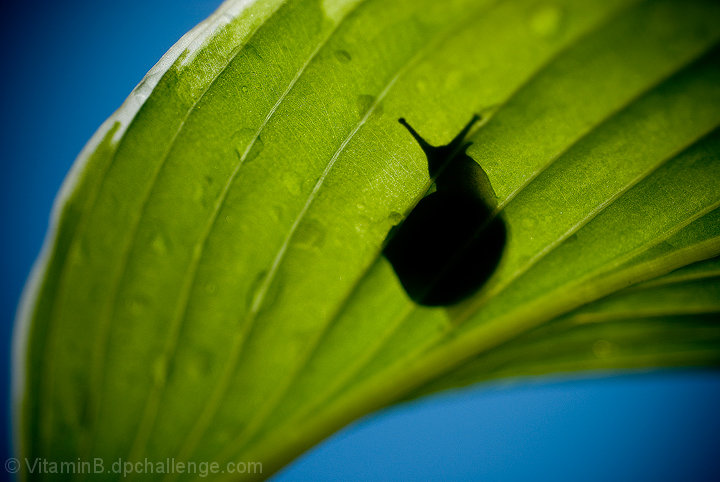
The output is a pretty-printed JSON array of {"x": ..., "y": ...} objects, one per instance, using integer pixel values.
[{"x": 213, "y": 288}]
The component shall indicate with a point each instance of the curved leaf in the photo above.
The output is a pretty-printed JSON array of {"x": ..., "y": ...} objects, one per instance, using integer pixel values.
[{"x": 214, "y": 288}]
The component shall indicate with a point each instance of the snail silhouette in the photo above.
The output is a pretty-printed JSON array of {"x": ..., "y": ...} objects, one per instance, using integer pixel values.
[{"x": 451, "y": 242}]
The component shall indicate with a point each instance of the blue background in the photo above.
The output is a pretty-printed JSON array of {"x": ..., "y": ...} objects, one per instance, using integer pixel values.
[{"x": 68, "y": 65}]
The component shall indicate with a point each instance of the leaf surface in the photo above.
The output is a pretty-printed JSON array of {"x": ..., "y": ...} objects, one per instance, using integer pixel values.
[{"x": 214, "y": 288}]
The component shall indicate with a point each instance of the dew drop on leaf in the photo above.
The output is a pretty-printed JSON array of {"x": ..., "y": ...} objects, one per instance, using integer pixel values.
[
  {"x": 136, "y": 305},
  {"x": 276, "y": 213},
  {"x": 291, "y": 183},
  {"x": 198, "y": 192},
  {"x": 422, "y": 86},
  {"x": 545, "y": 20},
  {"x": 248, "y": 145},
  {"x": 255, "y": 149},
  {"x": 395, "y": 217},
  {"x": 603, "y": 348},
  {"x": 310, "y": 234},
  {"x": 343, "y": 56},
  {"x": 80, "y": 252},
  {"x": 159, "y": 244},
  {"x": 364, "y": 102}
]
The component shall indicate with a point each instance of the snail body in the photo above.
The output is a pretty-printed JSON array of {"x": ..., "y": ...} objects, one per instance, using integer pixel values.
[{"x": 450, "y": 243}]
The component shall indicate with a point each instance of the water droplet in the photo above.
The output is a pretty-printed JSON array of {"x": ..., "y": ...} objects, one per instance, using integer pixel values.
[
  {"x": 245, "y": 142},
  {"x": 250, "y": 51},
  {"x": 343, "y": 56},
  {"x": 255, "y": 149},
  {"x": 422, "y": 86},
  {"x": 310, "y": 234},
  {"x": 136, "y": 305},
  {"x": 529, "y": 223},
  {"x": 603, "y": 348},
  {"x": 159, "y": 244},
  {"x": 198, "y": 192},
  {"x": 361, "y": 226},
  {"x": 276, "y": 213},
  {"x": 364, "y": 103},
  {"x": 379, "y": 110},
  {"x": 292, "y": 183},
  {"x": 545, "y": 20},
  {"x": 453, "y": 79},
  {"x": 395, "y": 217},
  {"x": 80, "y": 252}
]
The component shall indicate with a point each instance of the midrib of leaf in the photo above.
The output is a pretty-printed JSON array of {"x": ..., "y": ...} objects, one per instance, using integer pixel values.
[
  {"x": 395, "y": 323},
  {"x": 267, "y": 409}
]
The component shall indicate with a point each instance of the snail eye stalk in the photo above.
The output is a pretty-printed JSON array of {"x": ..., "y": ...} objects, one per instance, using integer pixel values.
[
  {"x": 451, "y": 242},
  {"x": 438, "y": 157}
]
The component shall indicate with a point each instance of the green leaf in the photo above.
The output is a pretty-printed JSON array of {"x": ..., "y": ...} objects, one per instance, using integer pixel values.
[{"x": 212, "y": 287}]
